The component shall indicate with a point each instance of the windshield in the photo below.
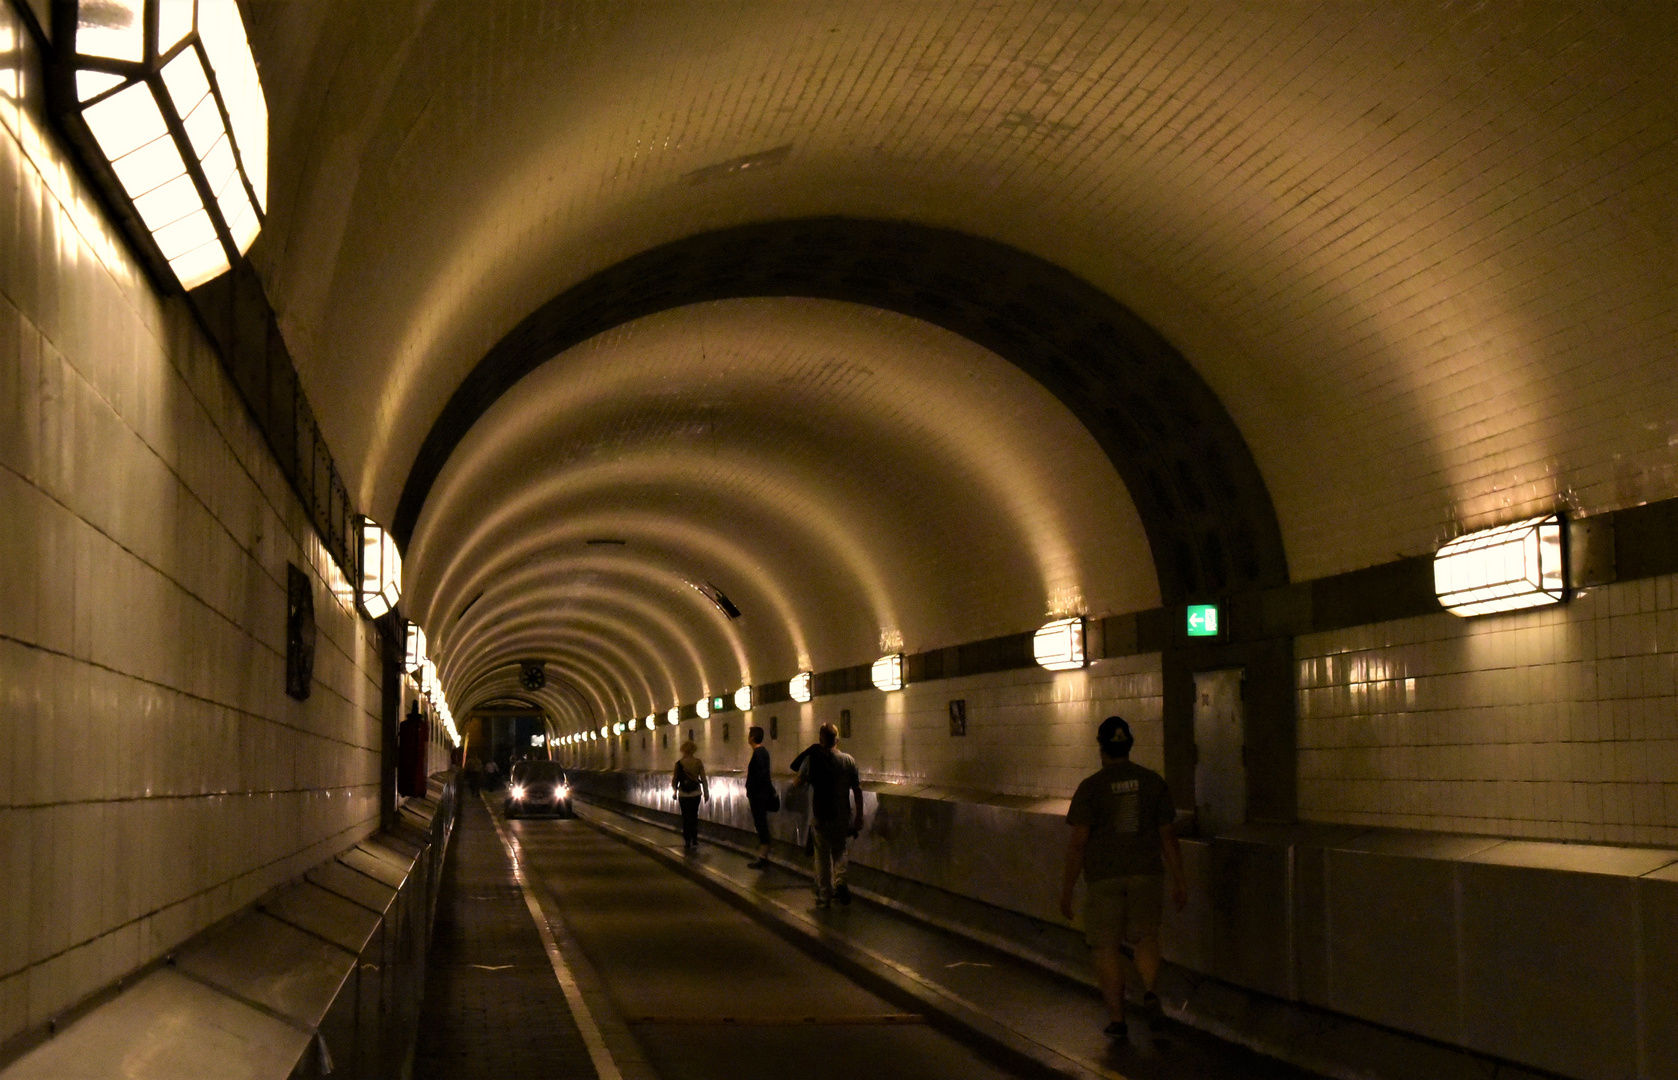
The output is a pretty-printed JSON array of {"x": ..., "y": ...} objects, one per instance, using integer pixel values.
[{"x": 538, "y": 772}]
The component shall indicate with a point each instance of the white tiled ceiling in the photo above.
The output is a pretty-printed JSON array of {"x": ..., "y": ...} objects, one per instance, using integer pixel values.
[
  {"x": 839, "y": 472},
  {"x": 1423, "y": 252}
]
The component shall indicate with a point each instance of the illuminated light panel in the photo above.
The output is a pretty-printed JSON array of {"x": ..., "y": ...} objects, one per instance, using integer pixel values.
[
  {"x": 674, "y": 716},
  {"x": 703, "y": 707},
  {"x": 413, "y": 652},
  {"x": 633, "y": 724},
  {"x": 1503, "y": 569},
  {"x": 743, "y": 699},
  {"x": 169, "y": 93},
  {"x": 603, "y": 731},
  {"x": 887, "y": 672},
  {"x": 1059, "y": 645},
  {"x": 113, "y": 29},
  {"x": 381, "y": 570},
  {"x": 800, "y": 687}
]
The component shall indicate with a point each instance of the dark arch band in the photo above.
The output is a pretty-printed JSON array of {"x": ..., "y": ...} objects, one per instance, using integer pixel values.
[{"x": 1208, "y": 515}]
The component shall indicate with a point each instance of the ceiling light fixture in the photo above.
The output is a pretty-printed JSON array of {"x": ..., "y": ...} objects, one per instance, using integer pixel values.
[
  {"x": 801, "y": 686},
  {"x": 1510, "y": 567},
  {"x": 161, "y": 99},
  {"x": 1059, "y": 645},
  {"x": 381, "y": 570},
  {"x": 413, "y": 652},
  {"x": 887, "y": 672}
]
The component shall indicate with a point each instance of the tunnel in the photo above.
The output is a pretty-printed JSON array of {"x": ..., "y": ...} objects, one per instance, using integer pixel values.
[{"x": 480, "y": 483}]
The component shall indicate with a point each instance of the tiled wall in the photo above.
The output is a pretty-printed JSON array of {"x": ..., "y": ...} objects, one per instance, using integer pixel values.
[
  {"x": 154, "y": 776},
  {"x": 1558, "y": 724},
  {"x": 1029, "y": 732}
]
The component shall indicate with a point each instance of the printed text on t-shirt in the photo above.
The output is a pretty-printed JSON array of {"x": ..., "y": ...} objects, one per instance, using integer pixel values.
[{"x": 1126, "y": 806}]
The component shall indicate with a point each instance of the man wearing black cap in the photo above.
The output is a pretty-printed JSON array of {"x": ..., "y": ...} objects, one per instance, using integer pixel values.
[{"x": 1123, "y": 841}]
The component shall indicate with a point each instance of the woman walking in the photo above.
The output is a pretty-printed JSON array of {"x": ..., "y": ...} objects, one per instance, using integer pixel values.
[
  {"x": 689, "y": 783},
  {"x": 761, "y": 794}
]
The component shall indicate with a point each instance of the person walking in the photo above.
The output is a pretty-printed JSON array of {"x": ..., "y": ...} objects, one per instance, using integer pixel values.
[
  {"x": 760, "y": 795},
  {"x": 832, "y": 776},
  {"x": 688, "y": 781},
  {"x": 1123, "y": 841}
]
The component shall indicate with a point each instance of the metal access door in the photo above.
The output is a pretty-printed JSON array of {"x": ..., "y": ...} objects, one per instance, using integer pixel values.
[{"x": 1220, "y": 771}]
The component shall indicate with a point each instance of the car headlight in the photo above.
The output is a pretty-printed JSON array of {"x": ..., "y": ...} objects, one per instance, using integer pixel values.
[{"x": 518, "y": 791}]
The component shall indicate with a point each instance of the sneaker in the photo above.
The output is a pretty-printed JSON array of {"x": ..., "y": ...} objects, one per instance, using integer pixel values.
[
  {"x": 1116, "y": 1030},
  {"x": 842, "y": 893}
]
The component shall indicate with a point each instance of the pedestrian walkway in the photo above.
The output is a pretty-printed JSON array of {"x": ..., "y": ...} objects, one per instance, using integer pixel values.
[
  {"x": 691, "y": 966},
  {"x": 1058, "y": 1022},
  {"x": 493, "y": 1009}
]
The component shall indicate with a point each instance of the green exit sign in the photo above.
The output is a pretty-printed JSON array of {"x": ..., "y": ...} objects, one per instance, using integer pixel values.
[{"x": 1203, "y": 620}]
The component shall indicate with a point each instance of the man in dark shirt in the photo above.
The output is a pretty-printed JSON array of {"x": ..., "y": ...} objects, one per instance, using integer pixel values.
[
  {"x": 832, "y": 776},
  {"x": 1123, "y": 842},
  {"x": 761, "y": 795}
]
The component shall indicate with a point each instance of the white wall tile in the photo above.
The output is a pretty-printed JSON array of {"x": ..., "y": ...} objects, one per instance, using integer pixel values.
[
  {"x": 150, "y": 774},
  {"x": 1568, "y": 716}
]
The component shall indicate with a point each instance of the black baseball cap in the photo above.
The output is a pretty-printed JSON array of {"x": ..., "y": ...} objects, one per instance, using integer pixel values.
[{"x": 1114, "y": 734}]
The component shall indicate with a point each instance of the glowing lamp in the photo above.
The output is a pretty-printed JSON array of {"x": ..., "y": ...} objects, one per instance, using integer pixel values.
[
  {"x": 537, "y": 741},
  {"x": 888, "y": 672},
  {"x": 1503, "y": 569},
  {"x": 651, "y": 721},
  {"x": 381, "y": 570},
  {"x": 703, "y": 707},
  {"x": 162, "y": 97},
  {"x": 413, "y": 653},
  {"x": 800, "y": 686},
  {"x": 674, "y": 716},
  {"x": 743, "y": 698},
  {"x": 1059, "y": 645}
]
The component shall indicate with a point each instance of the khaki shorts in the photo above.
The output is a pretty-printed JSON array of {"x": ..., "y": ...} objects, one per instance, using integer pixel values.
[{"x": 1123, "y": 908}]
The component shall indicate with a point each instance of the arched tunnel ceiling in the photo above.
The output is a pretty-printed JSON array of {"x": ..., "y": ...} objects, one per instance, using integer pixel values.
[
  {"x": 845, "y": 475},
  {"x": 1421, "y": 252}
]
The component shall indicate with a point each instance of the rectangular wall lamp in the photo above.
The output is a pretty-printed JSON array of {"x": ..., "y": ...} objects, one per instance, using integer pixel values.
[
  {"x": 161, "y": 100},
  {"x": 413, "y": 651},
  {"x": 887, "y": 672},
  {"x": 1516, "y": 566},
  {"x": 381, "y": 570},
  {"x": 800, "y": 687},
  {"x": 1059, "y": 645}
]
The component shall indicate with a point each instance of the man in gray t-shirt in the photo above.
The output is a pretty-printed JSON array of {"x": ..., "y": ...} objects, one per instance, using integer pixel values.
[
  {"x": 832, "y": 776},
  {"x": 1123, "y": 842}
]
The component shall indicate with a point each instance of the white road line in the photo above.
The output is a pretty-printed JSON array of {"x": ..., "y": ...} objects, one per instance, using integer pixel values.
[{"x": 604, "y": 1066}]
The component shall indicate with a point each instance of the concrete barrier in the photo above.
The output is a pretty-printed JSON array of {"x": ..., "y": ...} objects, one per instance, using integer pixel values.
[
  {"x": 323, "y": 974},
  {"x": 1559, "y": 957}
]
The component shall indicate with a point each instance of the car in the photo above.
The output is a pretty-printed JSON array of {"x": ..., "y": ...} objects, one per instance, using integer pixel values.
[{"x": 538, "y": 789}]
